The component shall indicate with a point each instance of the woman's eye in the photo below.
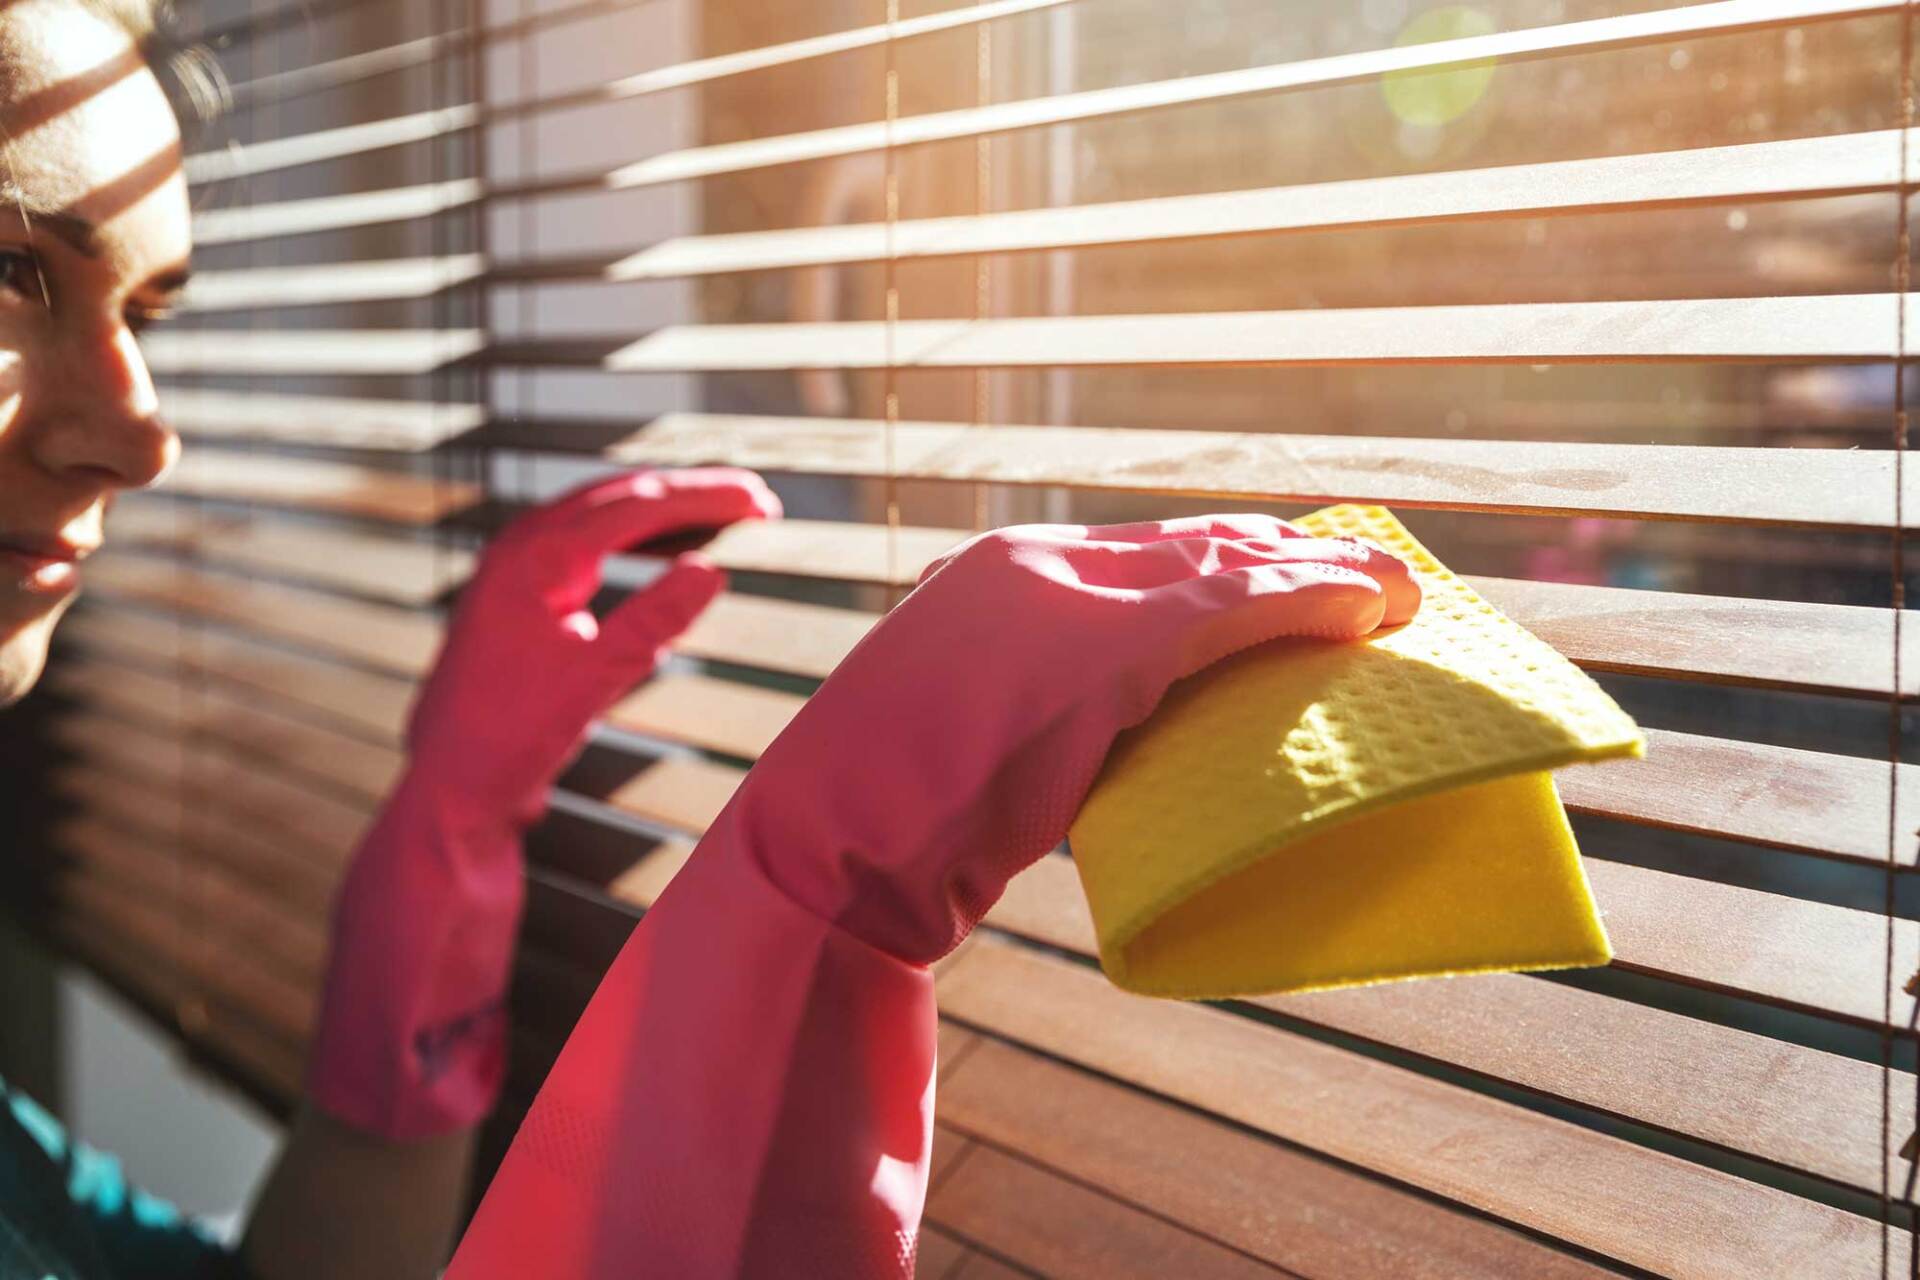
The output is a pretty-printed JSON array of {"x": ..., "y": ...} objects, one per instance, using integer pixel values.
[{"x": 20, "y": 273}]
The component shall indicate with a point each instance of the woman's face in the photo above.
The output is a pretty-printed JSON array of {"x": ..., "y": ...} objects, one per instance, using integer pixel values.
[{"x": 93, "y": 244}]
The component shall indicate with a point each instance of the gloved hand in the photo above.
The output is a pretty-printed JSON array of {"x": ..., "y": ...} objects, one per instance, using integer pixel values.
[
  {"x": 750, "y": 1092},
  {"x": 411, "y": 1034}
]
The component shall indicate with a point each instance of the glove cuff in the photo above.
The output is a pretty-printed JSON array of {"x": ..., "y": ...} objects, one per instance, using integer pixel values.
[{"x": 411, "y": 1036}]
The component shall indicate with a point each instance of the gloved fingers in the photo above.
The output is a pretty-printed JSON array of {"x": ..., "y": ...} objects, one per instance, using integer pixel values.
[
  {"x": 1232, "y": 527},
  {"x": 585, "y": 502},
  {"x": 1248, "y": 526},
  {"x": 1393, "y": 574},
  {"x": 558, "y": 549},
  {"x": 1144, "y": 566},
  {"x": 1138, "y": 566},
  {"x": 643, "y": 505},
  {"x": 1114, "y": 541},
  {"x": 1220, "y": 614},
  {"x": 633, "y": 633}
]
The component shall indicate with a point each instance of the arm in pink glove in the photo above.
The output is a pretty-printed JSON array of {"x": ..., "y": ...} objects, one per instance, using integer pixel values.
[
  {"x": 411, "y": 1034},
  {"x": 750, "y": 1092}
]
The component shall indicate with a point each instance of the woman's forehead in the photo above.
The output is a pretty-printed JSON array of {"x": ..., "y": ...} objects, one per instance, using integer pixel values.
[{"x": 89, "y": 130}]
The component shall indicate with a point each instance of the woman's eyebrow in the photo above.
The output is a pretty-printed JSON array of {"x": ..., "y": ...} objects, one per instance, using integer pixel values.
[{"x": 69, "y": 227}]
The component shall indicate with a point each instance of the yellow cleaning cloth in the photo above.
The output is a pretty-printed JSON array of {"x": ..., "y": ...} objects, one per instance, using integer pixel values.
[{"x": 1313, "y": 814}]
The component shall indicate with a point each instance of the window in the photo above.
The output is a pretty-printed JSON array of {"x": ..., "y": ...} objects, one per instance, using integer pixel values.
[{"x": 1607, "y": 299}]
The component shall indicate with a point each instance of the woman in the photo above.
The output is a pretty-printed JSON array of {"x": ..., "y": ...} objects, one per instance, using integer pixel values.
[{"x": 751, "y": 1090}]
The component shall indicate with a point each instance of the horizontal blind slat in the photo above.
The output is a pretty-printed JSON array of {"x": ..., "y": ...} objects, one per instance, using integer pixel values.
[
  {"x": 377, "y": 493},
  {"x": 378, "y": 279},
  {"x": 1802, "y": 800},
  {"x": 1640, "y": 1206},
  {"x": 1802, "y": 1108},
  {"x": 1681, "y": 22},
  {"x": 389, "y": 639},
  {"x": 705, "y": 70},
  {"x": 1842, "y": 488},
  {"x": 368, "y": 351},
  {"x": 287, "y": 936},
  {"x": 1842, "y": 164},
  {"x": 1048, "y": 1223},
  {"x": 369, "y": 705},
  {"x": 180, "y": 702},
  {"x": 1842, "y": 649},
  {"x": 1833, "y": 328},
  {"x": 269, "y": 219},
  {"x": 1825, "y": 328},
  {"x": 335, "y": 73},
  {"x": 148, "y": 797},
  {"x": 1778, "y": 949},
  {"x": 343, "y": 422},
  {"x": 204, "y": 167},
  {"x": 1330, "y": 1222},
  {"x": 397, "y": 570}
]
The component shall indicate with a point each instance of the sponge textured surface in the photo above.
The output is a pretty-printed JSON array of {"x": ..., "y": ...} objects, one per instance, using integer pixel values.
[{"x": 1310, "y": 814}]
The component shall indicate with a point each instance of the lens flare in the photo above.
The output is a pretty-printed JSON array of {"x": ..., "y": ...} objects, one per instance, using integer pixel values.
[{"x": 1439, "y": 97}]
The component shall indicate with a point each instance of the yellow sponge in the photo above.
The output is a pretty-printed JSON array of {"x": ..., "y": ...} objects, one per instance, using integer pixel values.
[{"x": 1313, "y": 814}]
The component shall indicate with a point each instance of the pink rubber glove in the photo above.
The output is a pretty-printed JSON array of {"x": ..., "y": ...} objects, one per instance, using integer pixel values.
[
  {"x": 411, "y": 1036},
  {"x": 750, "y": 1092}
]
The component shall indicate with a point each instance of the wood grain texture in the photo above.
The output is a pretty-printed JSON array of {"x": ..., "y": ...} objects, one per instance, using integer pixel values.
[
  {"x": 1805, "y": 801},
  {"x": 1269, "y": 1201},
  {"x": 1800, "y": 1108},
  {"x": 1808, "y": 955},
  {"x": 1832, "y": 488},
  {"x": 1642, "y": 1207},
  {"x": 1063, "y": 1230},
  {"x": 1797, "y": 1107},
  {"x": 1814, "y": 648},
  {"x": 1768, "y": 947},
  {"x": 1780, "y": 797}
]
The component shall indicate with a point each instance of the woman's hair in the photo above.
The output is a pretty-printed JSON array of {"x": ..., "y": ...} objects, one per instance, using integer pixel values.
[{"x": 187, "y": 71}]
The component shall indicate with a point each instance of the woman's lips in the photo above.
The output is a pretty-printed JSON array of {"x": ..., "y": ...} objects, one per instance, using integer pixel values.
[{"x": 46, "y": 571}]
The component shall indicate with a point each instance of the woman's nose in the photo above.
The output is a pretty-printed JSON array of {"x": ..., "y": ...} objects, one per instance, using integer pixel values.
[{"x": 102, "y": 416}]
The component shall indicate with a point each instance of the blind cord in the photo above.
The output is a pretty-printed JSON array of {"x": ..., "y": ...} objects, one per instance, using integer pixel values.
[
  {"x": 982, "y": 274},
  {"x": 890, "y": 386},
  {"x": 1902, "y": 282}
]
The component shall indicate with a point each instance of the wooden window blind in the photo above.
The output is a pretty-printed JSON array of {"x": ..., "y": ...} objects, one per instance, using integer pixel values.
[{"x": 1609, "y": 299}]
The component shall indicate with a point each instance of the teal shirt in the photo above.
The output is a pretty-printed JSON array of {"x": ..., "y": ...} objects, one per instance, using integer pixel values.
[{"x": 67, "y": 1213}]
